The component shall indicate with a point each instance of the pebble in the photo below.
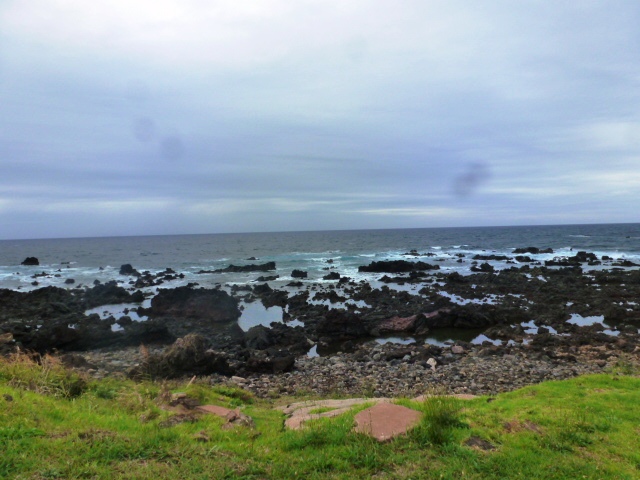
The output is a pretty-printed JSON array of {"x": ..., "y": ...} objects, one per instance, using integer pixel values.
[{"x": 365, "y": 373}]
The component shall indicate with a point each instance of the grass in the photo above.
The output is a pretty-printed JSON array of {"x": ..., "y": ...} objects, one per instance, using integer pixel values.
[{"x": 57, "y": 424}]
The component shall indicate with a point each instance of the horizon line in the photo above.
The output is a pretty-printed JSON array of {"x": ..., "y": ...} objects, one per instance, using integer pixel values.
[{"x": 312, "y": 231}]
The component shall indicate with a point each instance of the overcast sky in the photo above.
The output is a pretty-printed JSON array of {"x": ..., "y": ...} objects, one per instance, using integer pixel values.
[{"x": 129, "y": 117}]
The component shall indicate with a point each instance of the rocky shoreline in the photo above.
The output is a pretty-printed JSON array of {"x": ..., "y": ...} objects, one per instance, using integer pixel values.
[{"x": 527, "y": 314}]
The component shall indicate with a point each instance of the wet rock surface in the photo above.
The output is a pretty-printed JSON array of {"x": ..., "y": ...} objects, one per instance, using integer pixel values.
[
  {"x": 211, "y": 305},
  {"x": 524, "y": 311}
]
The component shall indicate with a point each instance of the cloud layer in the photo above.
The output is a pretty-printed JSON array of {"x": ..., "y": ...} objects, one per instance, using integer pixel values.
[{"x": 166, "y": 116}]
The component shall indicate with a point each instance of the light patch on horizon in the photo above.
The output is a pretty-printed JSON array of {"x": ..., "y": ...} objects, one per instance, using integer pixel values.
[
  {"x": 615, "y": 135},
  {"x": 114, "y": 207},
  {"x": 426, "y": 212}
]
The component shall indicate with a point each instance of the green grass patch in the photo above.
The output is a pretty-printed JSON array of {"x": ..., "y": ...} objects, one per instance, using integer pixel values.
[{"x": 587, "y": 427}]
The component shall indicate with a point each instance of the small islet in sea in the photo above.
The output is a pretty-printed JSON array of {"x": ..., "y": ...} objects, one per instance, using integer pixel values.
[{"x": 474, "y": 310}]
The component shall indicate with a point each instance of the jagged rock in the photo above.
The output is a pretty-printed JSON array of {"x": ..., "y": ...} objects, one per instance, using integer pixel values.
[
  {"x": 485, "y": 267},
  {"x": 189, "y": 355},
  {"x": 332, "y": 276},
  {"x": 397, "y": 266},
  {"x": 490, "y": 257},
  {"x": 268, "y": 278},
  {"x": 265, "y": 267},
  {"x": 259, "y": 338},
  {"x": 533, "y": 250},
  {"x": 203, "y": 304},
  {"x": 272, "y": 362},
  {"x": 109, "y": 293},
  {"x": 30, "y": 261},
  {"x": 340, "y": 325},
  {"x": 127, "y": 269},
  {"x": 263, "y": 289},
  {"x": 298, "y": 274}
]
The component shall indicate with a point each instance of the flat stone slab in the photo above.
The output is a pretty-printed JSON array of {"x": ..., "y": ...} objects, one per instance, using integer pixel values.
[
  {"x": 232, "y": 417},
  {"x": 385, "y": 421},
  {"x": 460, "y": 396},
  {"x": 216, "y": 410},
  {"x": 300, "y": 412}
]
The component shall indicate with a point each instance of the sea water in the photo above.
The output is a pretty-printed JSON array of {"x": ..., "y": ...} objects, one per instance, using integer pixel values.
[{"x": 318, "y": 253}]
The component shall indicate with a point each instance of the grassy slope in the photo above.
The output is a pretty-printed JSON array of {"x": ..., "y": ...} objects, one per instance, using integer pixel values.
[{"x": 587, "y": 427}]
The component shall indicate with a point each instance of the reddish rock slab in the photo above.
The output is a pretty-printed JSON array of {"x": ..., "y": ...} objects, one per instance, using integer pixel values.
[
  {"x": 460, "y": 396},
  {"x": 232, "y": 417},
  {"x": 397, "y": 324},
  {"x": 385, "y": 421},
  {"x": 216, "y": 410}
]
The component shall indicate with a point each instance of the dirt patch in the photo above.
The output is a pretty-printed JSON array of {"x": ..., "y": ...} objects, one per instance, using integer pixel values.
[{"x": 479, "y": 444}]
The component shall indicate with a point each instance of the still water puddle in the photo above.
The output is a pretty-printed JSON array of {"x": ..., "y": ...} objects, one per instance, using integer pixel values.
[
  {"x": 586, "y": 321},
  {"x": 255, "y": 313},
  {"x": 119, "y": 310}
]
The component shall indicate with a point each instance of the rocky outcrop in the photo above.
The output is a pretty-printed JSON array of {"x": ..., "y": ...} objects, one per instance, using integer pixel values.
[
  {"x": 339, "y": 325},
  {"x": 484, "y": 267},
  {"x": 532, "y": 250},
  {"x": 128, "y": 270},
  {"x": 30, "y": 261},
  {"x": 397, "y": 266},
  {"x": 271, "y": 361},
  {"x": 109, "y": 293},
  {"x": 332, "y": 276},
  {"x": 188, "y": 356},
  {"x": 491, "y": 257},
  {"x": 265, "y": 267},
  {"x": 210, "y": 305},
  {"x": 577, "y": 259}
]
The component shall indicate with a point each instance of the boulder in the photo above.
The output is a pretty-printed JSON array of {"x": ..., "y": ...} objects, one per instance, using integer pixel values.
[
  {"x": 299, "y": 274},
  {"x": 265, "y": 267},
  {"x": 109, "y": 293},
  {"x": 397, "y": 266},
  {"x": 189, "y": 355},
  {"x": 271, "y": 362},
  {"x": 30, "y": 261},
  {"x": 259, "y": 337},
  {"x": 341, "y": 325},
  {"x": 332, "y": 276},
  {"x": 533, "y": 250},
  {"x": 202, "y": 304},
  {"x": 127, "y": 269},
  {"x": 484, "y": 268}
]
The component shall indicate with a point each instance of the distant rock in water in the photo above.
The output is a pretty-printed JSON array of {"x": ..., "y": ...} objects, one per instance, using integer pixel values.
[
  {"x": 267, "y": 278},
  {"x": 30, "y": 261},
  {"x": 332, "y": 276},
  {"x": 127, "y": 269},
  {"x": 264, "y": 267},
  {"x": 485, "y": 267},
  {"x": 490, "y": 257},
  {"x": 397, "y": 266},
  {"x": 533, "y": 250},
  {"x": 577, "y": 259},
  {"x": 299, "y": 274}
]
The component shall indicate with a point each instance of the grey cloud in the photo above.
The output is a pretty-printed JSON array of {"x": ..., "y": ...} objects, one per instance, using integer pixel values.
[{"x": 454, "y": 113}]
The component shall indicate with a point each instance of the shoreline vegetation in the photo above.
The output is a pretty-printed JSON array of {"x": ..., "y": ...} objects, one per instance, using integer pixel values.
[{"x": 60, "y": 423}]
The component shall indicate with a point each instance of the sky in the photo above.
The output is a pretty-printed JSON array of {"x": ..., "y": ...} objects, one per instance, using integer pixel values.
[{"x": 125, "y": 117}]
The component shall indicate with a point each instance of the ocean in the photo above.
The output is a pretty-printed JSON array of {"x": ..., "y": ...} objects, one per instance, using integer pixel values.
[{"x": 89, "y": 259}]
